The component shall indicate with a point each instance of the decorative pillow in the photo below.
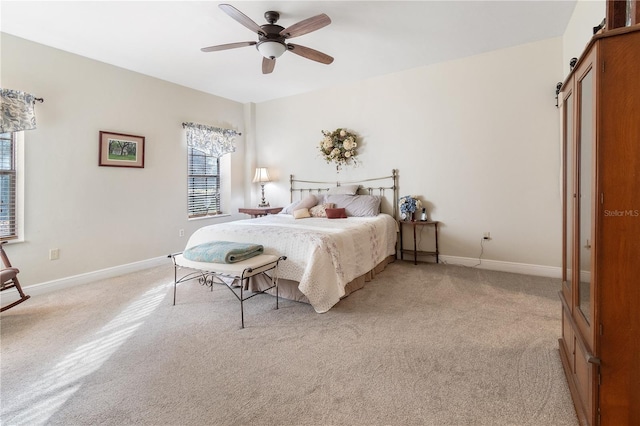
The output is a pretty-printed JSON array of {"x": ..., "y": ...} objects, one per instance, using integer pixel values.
[
  {"x": 357, "y": 205},
  {"x": 320, "y": 210},
  {"x": 343, "y": 190},
  {"x": 301, "y": 213},
  {"x": 306, "y": 203},
  {"x": 336, "y": 213}
]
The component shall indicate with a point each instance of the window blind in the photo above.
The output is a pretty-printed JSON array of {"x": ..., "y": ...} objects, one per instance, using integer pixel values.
[
  {"x": 203, "y": 184},
  {"x": 8, "y": 225}
]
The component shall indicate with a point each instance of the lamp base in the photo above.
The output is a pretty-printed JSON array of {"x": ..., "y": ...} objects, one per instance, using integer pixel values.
[{"x": 264, "y": 202}]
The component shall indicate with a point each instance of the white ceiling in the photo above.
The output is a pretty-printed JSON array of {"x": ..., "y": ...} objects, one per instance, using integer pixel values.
[{"x": 366, "y": 38}]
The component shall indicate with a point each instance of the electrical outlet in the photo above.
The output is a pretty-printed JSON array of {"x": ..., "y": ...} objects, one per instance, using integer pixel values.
[
  {"x": 54, "y": 254},
  {"x": 181, "y": 233},
  {"x": 487, "y": 236}
]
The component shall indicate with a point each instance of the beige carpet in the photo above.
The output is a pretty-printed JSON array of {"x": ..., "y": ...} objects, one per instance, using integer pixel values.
[{"x": 419, "y": 345}]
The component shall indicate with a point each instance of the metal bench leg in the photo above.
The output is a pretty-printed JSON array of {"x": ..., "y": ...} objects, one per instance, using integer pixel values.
[
  {"x": 274, "y": 280},
  {"x": 241, "y": 306},
  {"x": 175, "y": 283}
]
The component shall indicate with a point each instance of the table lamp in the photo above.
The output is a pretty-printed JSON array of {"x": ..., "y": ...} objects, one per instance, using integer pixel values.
[{"x": 262, "y": 177}]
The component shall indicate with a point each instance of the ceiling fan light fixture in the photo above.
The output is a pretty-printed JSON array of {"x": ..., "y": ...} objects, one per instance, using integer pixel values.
[
  {"x": 272, "y": 37},
  {"x": 271, "y": 49}
]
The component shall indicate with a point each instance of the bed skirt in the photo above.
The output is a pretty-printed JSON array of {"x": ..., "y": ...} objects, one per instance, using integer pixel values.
[{"x": 288, "y": 289}]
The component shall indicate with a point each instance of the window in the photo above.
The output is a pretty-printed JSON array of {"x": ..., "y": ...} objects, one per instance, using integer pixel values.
[
  {"x": 8, "y": 186},
  {"x": 206, "y": 144},
  {"x": 203, "y": 184}
]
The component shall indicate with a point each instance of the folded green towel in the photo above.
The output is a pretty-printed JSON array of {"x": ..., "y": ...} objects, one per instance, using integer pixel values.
[{"x": 222, "y": 252}]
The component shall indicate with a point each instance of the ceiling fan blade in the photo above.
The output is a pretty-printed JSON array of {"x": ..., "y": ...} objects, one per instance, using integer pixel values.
[
  {"x": 228, "y": 46},
  {"x": 242, "y": 18},
  {"x": 306, "y": 26},
  {"x": 268, "y": 65},
  {"x": 307, "y": 52}
]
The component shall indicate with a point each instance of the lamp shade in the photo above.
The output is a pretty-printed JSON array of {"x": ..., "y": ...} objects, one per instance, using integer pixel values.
[
  {"x": 271, "y": 49},
  {"x": 262, "y": 175}
]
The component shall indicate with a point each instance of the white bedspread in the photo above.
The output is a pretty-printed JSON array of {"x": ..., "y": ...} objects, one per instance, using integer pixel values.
[{"x": 323, "y": 255}]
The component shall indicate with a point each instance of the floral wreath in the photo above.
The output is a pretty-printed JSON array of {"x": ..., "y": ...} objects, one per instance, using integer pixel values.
[{"x": 339, "y": 147}]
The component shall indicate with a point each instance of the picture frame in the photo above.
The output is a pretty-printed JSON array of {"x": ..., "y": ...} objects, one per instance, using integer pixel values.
[{"x": 121, "y": 150}]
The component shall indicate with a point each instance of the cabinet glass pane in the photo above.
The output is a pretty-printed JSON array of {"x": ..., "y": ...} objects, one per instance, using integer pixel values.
[
  {"x": 585, "y": 87},
  {"x": 569, "y": 192}
]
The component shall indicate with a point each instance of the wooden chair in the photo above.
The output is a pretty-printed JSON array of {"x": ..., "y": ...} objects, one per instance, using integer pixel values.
[{"x": 9, "y": 279}]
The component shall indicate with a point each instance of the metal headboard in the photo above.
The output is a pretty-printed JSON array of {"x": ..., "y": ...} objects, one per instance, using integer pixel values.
[{"x": 386, "y": 183}]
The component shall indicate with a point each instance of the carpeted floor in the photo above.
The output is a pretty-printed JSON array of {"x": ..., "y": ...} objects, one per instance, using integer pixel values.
[{"x": 420, "y": 345}]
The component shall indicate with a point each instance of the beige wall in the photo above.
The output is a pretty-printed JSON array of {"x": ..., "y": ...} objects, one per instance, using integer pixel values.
[
  {"x": 103, "y": 217},
  {"x": 476, "y": 138}
]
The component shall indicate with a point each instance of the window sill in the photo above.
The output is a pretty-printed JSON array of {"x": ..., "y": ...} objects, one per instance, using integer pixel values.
[
  {"x": 15, "y": 241},
  {"x": 215, "y": 216}
]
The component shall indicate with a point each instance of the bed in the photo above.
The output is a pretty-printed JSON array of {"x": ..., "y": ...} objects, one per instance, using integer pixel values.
[{"x": 327, "y": 258}]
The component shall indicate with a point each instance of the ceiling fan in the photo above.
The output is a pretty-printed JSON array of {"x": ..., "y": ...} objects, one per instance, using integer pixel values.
[{"x": 271, "y": 37}]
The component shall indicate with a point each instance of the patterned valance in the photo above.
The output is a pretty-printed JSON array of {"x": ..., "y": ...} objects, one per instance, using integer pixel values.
[
  {"x": 212, "y": 140},
  {"x": 17, "y": 111}
]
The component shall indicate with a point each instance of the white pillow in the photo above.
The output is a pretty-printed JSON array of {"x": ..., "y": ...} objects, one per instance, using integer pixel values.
[
  {"x": 289, "y": 209},
  {"x": 343, "y": 189},
  {"x": 306, "y": 203}
]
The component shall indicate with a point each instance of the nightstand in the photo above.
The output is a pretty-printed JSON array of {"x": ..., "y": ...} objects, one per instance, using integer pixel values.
[
  {"x": 260, "y": 211},
  {"x": 415, "y": 224}
]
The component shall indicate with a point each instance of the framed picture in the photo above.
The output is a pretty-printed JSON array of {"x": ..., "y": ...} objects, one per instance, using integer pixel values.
[{"x": 120, "y": 150}]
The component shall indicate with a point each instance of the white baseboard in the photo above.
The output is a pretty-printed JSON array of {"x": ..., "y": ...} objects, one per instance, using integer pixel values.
[
  {"x": 62, "y": 283},
  {"x": 497, "y": 265},
  {"x": 10, "y": 295}
]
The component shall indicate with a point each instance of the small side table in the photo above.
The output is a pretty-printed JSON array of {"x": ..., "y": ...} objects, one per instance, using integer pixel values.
[
  {"x": 414, "y": 224},
  {"x": 260, "y": 211}
]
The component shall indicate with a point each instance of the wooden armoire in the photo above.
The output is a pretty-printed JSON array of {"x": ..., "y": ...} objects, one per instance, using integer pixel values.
[{"x": 600, "y": 344}]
